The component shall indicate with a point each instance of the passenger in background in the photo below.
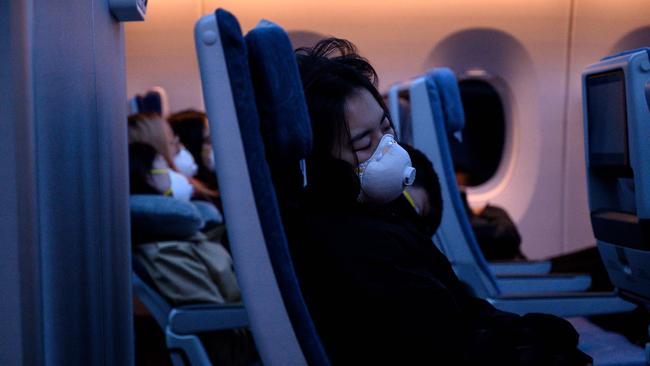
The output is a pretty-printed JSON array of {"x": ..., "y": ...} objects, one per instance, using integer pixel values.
[
  {"x": 186, "y": 268},
  {"x": 377, "y": 288},
  {"x": 191, "y": 127},
  {"x": 151, "y": 129},
  {"x": 147, "y": 171},
  {"x": 495, "y": 231}
]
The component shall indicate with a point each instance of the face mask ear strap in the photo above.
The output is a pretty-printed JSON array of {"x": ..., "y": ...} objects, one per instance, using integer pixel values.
[{"x": 409, "y": 198}]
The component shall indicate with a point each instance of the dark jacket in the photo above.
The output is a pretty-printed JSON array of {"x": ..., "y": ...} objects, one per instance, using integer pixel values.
[
  {"x": 381, "y": 293},
  {"x": 426, "y": 178}
]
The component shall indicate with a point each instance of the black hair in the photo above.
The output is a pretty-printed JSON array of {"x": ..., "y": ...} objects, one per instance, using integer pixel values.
[
  {"x": 331, "y": 72},
  {"x": 141, "y": 158},
  {"x": 190, "y": 125}
]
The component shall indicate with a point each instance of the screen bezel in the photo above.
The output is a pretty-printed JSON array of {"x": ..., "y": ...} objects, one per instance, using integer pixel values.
[{"x": 610, "y": 163}]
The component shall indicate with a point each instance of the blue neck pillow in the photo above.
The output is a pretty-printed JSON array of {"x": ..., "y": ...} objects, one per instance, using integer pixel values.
[{"x": 155, "y": 218}]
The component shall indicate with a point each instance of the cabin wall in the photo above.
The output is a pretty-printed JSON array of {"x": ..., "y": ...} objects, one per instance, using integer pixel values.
[
  {"x": 600, "y": 28},
  {"x": 526, "y": 49},
  {"x": 160, "y": 52},
  {"x": 64, "y": 217},
  {"x": 522, "y": 51},
  {"x": 20, "y": 335}
]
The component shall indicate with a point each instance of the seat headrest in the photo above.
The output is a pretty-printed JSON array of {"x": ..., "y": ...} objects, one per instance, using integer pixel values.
[
  {"x": 449, "y": 92},
  {"x": 155, "y": 217},
  {"x": 628, "y": 52},
  {"x": 281, "y": 104},
  {"x": 155, "y": 100}
]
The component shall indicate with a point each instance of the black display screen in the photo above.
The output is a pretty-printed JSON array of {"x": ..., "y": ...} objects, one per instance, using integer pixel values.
[{"x": 607, "y": 112}]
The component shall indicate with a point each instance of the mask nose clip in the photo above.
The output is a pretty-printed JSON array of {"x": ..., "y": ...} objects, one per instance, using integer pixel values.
[{"x": 409, "y": 175}]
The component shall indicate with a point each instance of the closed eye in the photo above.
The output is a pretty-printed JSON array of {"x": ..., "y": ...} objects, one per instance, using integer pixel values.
[{"x": 366, "y": 147}]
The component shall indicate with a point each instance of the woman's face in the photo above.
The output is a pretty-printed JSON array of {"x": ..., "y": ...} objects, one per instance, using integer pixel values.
[{"x": 367, "y": 123}]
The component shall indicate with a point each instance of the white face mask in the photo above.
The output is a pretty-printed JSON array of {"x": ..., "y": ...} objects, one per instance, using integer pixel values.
[
  {"x": 385, "y": 174},
  {"x": 185, "y": 163},
  {"x": 180, "y": 186}
]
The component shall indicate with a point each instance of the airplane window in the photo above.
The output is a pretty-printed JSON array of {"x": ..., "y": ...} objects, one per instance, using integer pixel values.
[{"x": 479, "y": 154}]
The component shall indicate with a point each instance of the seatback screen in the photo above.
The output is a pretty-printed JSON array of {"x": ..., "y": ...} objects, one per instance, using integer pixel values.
[{"x": 607, "y": 112}]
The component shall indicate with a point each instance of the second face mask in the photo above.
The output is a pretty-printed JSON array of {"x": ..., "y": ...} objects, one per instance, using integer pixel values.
[
  {"x": 185, "y": 163},
  {"x": 180, "y": 186}
]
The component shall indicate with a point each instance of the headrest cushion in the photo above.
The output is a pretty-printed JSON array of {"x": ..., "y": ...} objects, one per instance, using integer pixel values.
[
  {"x": 449, "y": 92},
  {"x": 280, "y": 98},
  {"x": 159, "y": 217},
  {"x": 628, "y": 52}
]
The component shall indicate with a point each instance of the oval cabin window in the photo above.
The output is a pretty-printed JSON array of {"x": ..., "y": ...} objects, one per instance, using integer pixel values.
[{"x": 479, "y": 154}]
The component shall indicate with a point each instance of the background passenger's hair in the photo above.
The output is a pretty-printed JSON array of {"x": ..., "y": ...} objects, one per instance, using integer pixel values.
[
  {"x": 148, "y": 128},
  {"x": 190, "y": 126},
  {"x": 141, "y": 158}
]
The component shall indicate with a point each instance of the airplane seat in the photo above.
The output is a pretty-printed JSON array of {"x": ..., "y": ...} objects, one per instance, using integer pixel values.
[
  {"x": 464, "y": 259},
  {"x": 154, "y": 100},
  {"x": 454, "y": 117},
  {"x": 162, "y": 217},
  {"x": 605, "y": 347},
  {"x": 616, "y": 102},
  {"x": 286, "y": 132},
  {"x": 283, "y": 331},
  {"x": 533, "y": 275},
  {"x": 449, "y": 94},
  {"x": 443, "y": 94},
  {"x": 455, "y": 236},
  {"x": 155, "y": 216},
  {"x": 455, "y": 122}
]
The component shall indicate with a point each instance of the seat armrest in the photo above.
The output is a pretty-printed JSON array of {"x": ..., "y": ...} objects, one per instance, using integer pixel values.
[
  {"x": 531, "y": 283},
  {"x": 156, "y": 305},
  {"x": 542, "y": 276},
  {"x": 564, "y": 304},
  {"x": 523, "y": 267},
  {"x": 205, "y": 318}
]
